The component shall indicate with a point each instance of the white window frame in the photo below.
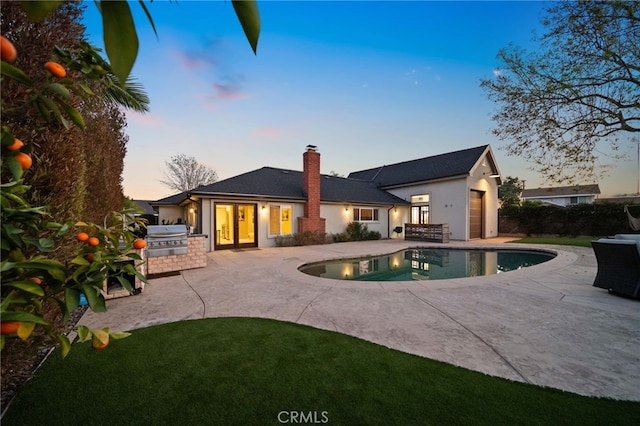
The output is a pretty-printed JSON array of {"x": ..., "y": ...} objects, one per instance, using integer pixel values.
[
  {"x": 280, "y": 208},
  {"x": 375, "y": 214}
]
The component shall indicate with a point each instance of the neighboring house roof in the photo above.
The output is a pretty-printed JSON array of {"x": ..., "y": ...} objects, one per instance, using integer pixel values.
[
  {"x": 146, "y": 205},
  {"x": 562, "y": 191},
  {"x": 270, "y": 182},
  {"x": 452, "y": 164}
]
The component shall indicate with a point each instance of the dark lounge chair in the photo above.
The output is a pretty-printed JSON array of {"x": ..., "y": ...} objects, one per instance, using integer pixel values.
[{"x": 618, "y": 265}]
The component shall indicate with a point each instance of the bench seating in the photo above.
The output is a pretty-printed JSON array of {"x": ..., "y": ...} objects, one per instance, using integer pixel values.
[{"x": 618, "y": 264}]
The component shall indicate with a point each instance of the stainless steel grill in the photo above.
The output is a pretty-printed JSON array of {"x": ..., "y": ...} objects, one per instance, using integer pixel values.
[{"x": 166, "y": 240}]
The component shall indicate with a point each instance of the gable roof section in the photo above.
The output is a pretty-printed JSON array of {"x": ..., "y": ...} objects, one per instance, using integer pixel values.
[
  {"x": 270, "y": 182},
  {"x": 562, "y": 191},
  {"x": 452, "y": 164}
]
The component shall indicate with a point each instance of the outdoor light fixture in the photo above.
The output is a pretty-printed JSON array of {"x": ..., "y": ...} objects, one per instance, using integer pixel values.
[
  {"x": 346, "y": 209},
  {"x": 492, "y": 175}
]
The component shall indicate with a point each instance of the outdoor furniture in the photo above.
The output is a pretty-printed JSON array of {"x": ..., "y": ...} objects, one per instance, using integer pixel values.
[
  {"x": 438, "y": 233},
  {"x": 618, "y": 264}
]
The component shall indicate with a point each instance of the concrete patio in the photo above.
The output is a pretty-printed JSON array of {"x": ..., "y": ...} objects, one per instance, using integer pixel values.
[{"x": 546, "y": 324}]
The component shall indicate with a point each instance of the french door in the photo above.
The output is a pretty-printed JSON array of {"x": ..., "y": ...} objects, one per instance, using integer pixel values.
[{"x": 236, "y": 225}]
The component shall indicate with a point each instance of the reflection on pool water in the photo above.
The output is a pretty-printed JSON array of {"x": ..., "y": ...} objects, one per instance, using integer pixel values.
[{"x": 427, "y": 264}]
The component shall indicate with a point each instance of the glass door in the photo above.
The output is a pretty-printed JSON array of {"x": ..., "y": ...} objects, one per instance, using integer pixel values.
[
  {"x": 235, "y": 225},
  {"x": 225, "y": 229},
  {"x": 246, "y": 215}
]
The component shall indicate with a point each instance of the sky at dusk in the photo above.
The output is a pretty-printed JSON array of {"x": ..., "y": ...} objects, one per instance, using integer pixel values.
[{"x": 368, "y": 83}]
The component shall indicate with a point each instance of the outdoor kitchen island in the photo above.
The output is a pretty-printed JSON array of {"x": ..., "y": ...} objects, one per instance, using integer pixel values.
[{"x": 170, "y": 250}]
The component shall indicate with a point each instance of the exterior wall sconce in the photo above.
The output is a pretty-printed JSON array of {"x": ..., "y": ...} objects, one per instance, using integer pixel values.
[
  {"x": 192, "y": 210},
  {"x": 264, "y": 207},
  {"x": 346, "y": 209}
]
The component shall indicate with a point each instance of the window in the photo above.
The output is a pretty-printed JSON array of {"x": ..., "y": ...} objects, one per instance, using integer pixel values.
[
  {"x": 420, "y": 209},
  {"x": 420, "y": 199},
  {"x": 365, "y": 215},
  {"x": 578, "y": 200},
  {"x": 420, "y": 215},
  {"x": 280, "y": 219}
]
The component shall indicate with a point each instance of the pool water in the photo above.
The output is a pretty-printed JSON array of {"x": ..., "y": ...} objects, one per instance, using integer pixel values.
[{"x": 427, "y": 264}]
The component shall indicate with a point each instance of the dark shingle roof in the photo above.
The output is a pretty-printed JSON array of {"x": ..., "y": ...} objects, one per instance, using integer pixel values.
[
  {"x": 287, "y": 184},
  {"x": 560, "y": 191},
  {"x": 424, "y": 169}
]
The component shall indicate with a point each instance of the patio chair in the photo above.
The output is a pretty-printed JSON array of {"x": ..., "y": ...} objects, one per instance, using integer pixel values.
[{"x": 618, "y": 266}]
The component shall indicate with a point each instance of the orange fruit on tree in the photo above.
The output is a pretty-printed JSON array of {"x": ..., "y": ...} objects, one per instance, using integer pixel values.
[
  {"x": 8, "y": 51},
  {"x": 139, "y": 244},
  {"x": 82, "y": 236},
  {"x": 98, "y": 345},
  {"x": 35, "y": 280},
  {"x": 93, "y": 241},
  {"x": 8, "y": 327},
  {"x": 24, "y": 160},
  {"x": 55, "y": 69},
  {"x": 16, "y": 145}
]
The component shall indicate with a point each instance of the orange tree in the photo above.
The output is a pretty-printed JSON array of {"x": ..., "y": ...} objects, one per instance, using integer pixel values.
[{"x": 29, "y": 276}]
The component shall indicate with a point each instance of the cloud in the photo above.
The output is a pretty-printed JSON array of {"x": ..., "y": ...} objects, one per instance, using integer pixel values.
[
  {"x": 195, "y": 61},
  {"x": 228, "y": 91},
  {"x": 267, "y": 132}
]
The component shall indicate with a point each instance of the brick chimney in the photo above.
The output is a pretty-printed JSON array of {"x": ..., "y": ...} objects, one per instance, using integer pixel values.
[{"x": 311, "y": 187}]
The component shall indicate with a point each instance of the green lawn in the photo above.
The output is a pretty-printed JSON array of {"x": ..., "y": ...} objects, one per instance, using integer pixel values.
[
  {"x": 252, "y": 371},
  {"x": 582, "y": 241}
]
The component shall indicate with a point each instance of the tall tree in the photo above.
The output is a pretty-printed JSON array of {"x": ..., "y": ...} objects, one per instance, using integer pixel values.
[
  {"x": 185, "y": 173},
  {"x": 580, "y": 90},
  {"x": 509, "y": 192}
]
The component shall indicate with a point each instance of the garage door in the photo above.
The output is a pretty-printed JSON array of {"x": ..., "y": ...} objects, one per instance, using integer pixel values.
[{"x": 475, "y": 214}]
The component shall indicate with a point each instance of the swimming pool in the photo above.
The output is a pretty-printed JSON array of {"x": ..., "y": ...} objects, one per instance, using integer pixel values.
[{"x": 416, "y": 264}]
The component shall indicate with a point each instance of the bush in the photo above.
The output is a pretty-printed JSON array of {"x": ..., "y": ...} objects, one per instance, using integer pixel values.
[
  {"x": 574, "y": 220},
  {"x": 357, "y": 231},
  {"x": 306, "y": 238}
]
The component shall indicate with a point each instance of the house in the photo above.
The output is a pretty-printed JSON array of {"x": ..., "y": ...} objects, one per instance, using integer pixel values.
[
  {"x": 252, "y": 209},
  {"x": 563, "y": 195}
]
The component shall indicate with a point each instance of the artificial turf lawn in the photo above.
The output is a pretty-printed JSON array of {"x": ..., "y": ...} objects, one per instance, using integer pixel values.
[
  {"x": 563, "y": 241},
  {"x": 247, "y": 371}
]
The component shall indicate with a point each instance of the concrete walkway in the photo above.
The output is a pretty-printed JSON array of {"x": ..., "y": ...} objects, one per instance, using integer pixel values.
[{"x": 545, "y": 324}]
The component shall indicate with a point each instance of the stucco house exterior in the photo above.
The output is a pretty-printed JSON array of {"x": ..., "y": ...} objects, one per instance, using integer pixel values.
[
  {"x": 563, "y": 195},
  {"x": 252, "y": 209}
]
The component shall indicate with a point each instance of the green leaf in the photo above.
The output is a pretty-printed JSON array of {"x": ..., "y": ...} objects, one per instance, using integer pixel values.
[
  {"x": 146, "y": 11},
  {"x": 14, "y": 166},
  {"x": 84, "y": 333},
  {"x": 14, "y": 73},
  {"x": 95, "y": 298},
  {"x": 23, "y": 316},
  {"x": 27, "y": 286},
  {"x": 65, "y": 345},
  {"x": 25, "y": 330},
  {"x": 249, "y": 17},
  {"x": 71, "y": 298},
  {"x": 73, "y": 113},
  {"x": 125, "y": 284},
  {"x": 120, "y": 37},
  {"x": 86, "y": 89},
  {"x": 60, "y": 90},
  {"x": 56, "y": 111},
  {"x": 116, "y": 335},
  {"x": 37, "y": 10}
]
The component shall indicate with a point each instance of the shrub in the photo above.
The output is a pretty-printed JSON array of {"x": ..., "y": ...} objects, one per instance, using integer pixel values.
[
  {"x": 574, "y": 220},
  {"x": 306, "y": 238},
  {"x": 357, "y": 231}
]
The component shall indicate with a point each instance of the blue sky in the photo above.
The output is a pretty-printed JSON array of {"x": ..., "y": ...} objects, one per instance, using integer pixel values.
[{"x": 369, "y": 83}]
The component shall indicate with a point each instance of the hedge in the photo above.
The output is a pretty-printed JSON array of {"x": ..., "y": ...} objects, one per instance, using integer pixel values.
[{"x": 580, "y": 219}]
